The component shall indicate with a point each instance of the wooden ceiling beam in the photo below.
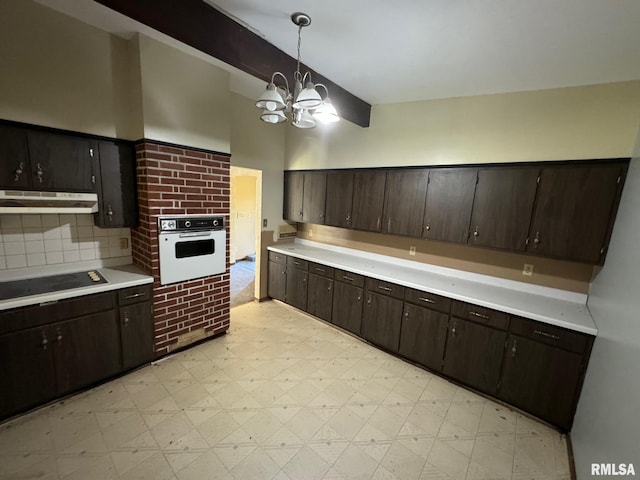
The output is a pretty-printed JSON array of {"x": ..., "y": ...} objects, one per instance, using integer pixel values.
[{"x": 199, "y": 25}]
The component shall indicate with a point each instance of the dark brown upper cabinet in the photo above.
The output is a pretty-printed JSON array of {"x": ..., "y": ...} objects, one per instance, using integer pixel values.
[
  {"x": 293, "y": 191},
  {"x": 117, "y": 185},
  {"x": 368, "y": 199},
  {"x": 14, "y": 158},
  {"x": 304, "y": 196},
  {"x": 575, "y": 210},
  {"x": 44, "y": 160},
  {"x": 339, "y": 200},
  {"x": 404, "y": 198},
  {"x": 447, "y": 211},
  {"x": 313, "y": 197},
  {"x": 502, "y": 207},
  {"x": 62, "y": 163}
]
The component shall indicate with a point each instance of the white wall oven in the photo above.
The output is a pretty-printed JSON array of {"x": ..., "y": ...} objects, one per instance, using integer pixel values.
[{"x": 191, "y": 246}]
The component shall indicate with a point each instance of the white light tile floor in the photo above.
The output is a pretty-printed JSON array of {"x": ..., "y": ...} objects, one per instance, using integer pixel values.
[{"x": 281, "y": 396}]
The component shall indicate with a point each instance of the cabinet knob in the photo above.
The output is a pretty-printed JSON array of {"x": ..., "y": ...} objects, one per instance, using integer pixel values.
[
  {"x": 109, "y": 213},
  {"x": 476, "y": 234},
  {"x": 514, "y": 349},
  {"x": 359, "y": 298},
  {"x": 453, "y": 330},
  {"x": 58, "y": 335},
  {"x": 536, "y": 240},
  {"x": 406, "y": 314},
  {"x": 378, "y": 223},
  {"x": 44, "y": 342},
  {"x": 18, "y": 171},
  {"x": 369, "y": 300},
  {"x": 348, "y": 219},
  {"x": 389, "y": 225},
  {"x": 126, "y": 319},
  {"x": 329, "y": 287},
  {"x": 39, "y": 172},
  {"x": 427, "y": 227}
]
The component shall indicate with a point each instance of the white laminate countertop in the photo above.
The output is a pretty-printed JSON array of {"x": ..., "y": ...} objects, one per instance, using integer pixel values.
[
  {"x": 117, "y": 277},
  {"x": 549, "y": 305}
]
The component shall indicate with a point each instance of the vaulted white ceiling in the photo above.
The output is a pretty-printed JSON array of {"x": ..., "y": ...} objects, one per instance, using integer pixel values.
[{"x": 407, "y": 50}]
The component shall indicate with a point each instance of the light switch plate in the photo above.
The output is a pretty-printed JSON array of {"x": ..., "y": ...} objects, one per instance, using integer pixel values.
[{"x": 527, "y": 269}]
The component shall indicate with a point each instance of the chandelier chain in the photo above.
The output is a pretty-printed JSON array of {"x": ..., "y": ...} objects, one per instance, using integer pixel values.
[{"x": 298, "y": 74}]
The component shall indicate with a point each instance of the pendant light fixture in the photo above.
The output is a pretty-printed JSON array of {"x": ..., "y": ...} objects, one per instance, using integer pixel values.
[{"x": 304, "y": 105}]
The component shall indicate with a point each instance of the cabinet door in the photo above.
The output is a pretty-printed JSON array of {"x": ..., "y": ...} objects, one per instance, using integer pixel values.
[
  {"x": 86, "y": 350},
  {"x": 297, "y": 288},
  {"x": 14, "y": 158},
  {"x": 541, "y": 379},
  {"x": 313, "y": 198},
  {"x": 136, "y": 334},
  {"x": 277, "y": 280},
  {"x": 447, "y": 211},
  {"x": 27, "y": 376},
  {"x": 474, "y": 354},
  {"x": 347, "y": 307},
  {"x": 320, "y": 296},
  {"x": 339, "y": 199},
  {"x": 574, "y": 212},
  {"x": 117, "y": 186},
  {"x": 368, "y": 200},
  {"x": 381, "y": 321},
  {"x": 423, "y": 336},
  {"x": 293, "y": 196},
  {"x": 61, "y": 162},
  {"x": 404, "y": 198},
  {"x": 503, "y": 206}
]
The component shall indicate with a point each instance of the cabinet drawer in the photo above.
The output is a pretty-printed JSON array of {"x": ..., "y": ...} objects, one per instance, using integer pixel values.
[
  {"x": 277, "y": 257},
  {"x": 320, "y": 269},
  {"x": 348, "y": 277},
  {"x": 429, "y": 300},
  {"x": 551, "y": 335},
  {"x": 482, "y": 315},
  {"x": 385, "y": 288},
  {"x": 141, "y": 293},
  {"x": 297, "y": 263}
]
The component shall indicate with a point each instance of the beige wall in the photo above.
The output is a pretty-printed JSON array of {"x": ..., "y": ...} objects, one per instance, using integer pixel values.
[
  {"x": 569, "y": 123},
  {"x": 58, "y": 72},
  {"x": 185, "y": 100}
]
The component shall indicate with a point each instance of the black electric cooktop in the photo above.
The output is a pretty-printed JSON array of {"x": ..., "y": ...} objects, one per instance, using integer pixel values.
[{"x": 53, "y": 283}]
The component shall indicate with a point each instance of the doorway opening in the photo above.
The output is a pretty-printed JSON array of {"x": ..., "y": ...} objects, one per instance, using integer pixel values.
[{"x": 245, "y": 228}]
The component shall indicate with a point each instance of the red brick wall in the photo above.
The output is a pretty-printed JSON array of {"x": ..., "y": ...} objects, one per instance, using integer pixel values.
[{"x": 180, "y": 180}]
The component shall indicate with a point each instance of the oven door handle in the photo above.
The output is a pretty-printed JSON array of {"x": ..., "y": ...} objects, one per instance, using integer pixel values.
[{"x": 195, "y": 234}]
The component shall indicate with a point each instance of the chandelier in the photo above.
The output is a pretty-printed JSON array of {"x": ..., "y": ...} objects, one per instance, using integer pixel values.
[{"x": 304, "y": 106}]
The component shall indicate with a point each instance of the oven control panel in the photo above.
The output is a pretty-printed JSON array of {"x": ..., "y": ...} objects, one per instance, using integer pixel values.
[{"x": 190, "y": 222}]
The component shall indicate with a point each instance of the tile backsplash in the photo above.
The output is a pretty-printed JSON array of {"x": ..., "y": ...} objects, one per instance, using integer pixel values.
[{"x": 37, "y": 240}]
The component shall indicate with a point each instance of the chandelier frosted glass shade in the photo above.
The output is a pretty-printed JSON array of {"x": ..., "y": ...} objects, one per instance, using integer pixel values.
[
  {"x": 305, "y": 106},
  {"x": 308, "y": 97},
  {"x": 271, "y": 99},
  {"x": 276, "y": 116}
]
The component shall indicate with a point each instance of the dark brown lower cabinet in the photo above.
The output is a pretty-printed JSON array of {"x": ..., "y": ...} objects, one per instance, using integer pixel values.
[
  {"x": 277, "y": 280},
  {"x": 136, "y": 334},
  {"x": 320, "y": 296},
  {"x": 541, "y": 379},
  {"x": 27, "y": 375},
  {"x": 381, "y": 320},
  {"x": 347, "y": 307},
  {"x": 296, "y": 287},
  {"x": 86, "y": 350},
  {"x": 52, "y": 350},
  {"x": 423, "y": 335},
  {"x": 474, "y": 354}
]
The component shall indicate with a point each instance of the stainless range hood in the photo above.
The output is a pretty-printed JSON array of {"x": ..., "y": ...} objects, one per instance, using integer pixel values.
[{"x": 17, "y": 201}]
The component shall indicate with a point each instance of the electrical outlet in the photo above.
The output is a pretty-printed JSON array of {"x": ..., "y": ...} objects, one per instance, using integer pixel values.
[
  {"x": 264, "y": 222},
  {"x": 124, "y": 243},
  {"x": 527, "y": 269},
  {"x": 412, "y": 250}
]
